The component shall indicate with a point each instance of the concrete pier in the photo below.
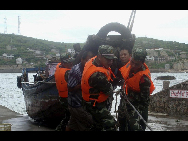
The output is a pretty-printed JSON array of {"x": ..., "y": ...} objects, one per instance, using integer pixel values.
[
  {"x": 20, "y": 122},
  {"x": 157, "y": 121}
]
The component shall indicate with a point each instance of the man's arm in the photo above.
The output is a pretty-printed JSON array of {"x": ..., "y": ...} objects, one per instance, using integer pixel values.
[
  {"x": 145, "y": 90},
  {"x": 99, "y": 83},
  {"x": 66, "y": 75},
  {"x": 73, "y": 83}
]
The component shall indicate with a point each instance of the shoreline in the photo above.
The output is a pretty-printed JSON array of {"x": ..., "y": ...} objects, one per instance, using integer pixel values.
[{"x": 10, "y": 70}]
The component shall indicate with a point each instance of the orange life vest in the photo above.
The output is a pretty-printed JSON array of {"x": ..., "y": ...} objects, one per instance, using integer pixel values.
[
  {"x": 89, "y": 69},
  {"x": 133, "y": 82},
  {"x": 61, "y": 84}
]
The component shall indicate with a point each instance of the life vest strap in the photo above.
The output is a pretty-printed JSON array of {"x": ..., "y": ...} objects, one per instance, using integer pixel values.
[
  {"x": 111, "y": 73},
  {"x": 95, "y": 100},
  {"x": 126, "y": 90}
]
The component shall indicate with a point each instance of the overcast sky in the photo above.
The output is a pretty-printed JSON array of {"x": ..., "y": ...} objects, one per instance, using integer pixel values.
[{"x": 74, "y": 26}]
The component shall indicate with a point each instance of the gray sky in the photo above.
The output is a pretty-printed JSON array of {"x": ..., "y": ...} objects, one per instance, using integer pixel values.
[{"x": 74, "y": 26}]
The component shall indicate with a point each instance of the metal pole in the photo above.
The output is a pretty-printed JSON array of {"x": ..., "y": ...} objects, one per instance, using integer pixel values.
[{"x": 131, "y": 19}]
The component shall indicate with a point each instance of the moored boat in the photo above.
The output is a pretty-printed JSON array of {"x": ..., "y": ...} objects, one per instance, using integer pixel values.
[{"x": 41, "y": 96}]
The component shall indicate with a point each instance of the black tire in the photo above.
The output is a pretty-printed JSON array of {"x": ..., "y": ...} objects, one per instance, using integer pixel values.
[
  {"x": 117, "y": 27},
  {"x": 93, "y": 44},
  {"x": 19, "y": 84}
]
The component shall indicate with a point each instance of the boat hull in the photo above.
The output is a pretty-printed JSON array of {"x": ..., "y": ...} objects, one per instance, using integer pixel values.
[{"x": 42, "y": 101}]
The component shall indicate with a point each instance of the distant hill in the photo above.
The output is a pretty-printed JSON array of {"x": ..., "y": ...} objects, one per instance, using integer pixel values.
[
  {"x": 33, "y": 50},
  {"x": 150, "y": 43},
  {"x": 19, "y": 46},
  {"x": 168, "y": 52}
]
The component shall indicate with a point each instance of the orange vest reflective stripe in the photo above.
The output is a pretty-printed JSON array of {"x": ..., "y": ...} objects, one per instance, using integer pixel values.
[
  {"x": 61, "y": 84},
  {"x": 133, "y": 82},
  {"x": 89, "y": 69}
]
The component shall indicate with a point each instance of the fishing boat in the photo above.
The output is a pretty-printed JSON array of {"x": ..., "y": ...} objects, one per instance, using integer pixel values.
[{"x": 41, "y": 96}]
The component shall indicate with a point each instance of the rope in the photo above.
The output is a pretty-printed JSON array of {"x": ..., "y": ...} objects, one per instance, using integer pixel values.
[
  {"x": 116, "y": 104},
  {"x": 125, "y": 97}
]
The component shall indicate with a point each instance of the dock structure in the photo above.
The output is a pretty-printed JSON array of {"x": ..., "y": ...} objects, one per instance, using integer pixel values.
[{"x": 171, "y": 100}]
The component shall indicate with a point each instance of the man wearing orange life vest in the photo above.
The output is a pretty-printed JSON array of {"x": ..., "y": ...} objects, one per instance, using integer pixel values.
[
  {"x": 125, "y": 54},
  {"x": 97, "y": 89},
  {"x": 61, "y": 78},
  {"x": 61, "y": 74},
  {"x": 139, "y": 86}
]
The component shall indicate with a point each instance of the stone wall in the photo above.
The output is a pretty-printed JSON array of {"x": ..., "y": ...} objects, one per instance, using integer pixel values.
[{"x": 161, "y": 102}]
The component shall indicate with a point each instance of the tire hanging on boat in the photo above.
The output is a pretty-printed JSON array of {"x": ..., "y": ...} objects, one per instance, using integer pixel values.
[
  {"x": 94, "y": 41},
  {"x": 19, "y": 85}
]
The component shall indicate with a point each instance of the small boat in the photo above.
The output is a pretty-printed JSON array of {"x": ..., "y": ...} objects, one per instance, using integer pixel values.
[
  {"x": 41, "y": 96},
  {"x": 167, "y": 77}
]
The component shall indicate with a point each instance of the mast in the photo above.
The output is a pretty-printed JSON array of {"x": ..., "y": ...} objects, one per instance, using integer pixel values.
[{"x": 131, "y": 20}]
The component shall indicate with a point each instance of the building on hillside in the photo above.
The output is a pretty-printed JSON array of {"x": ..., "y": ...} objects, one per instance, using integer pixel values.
[
  {"x": 150, "y": 58},
  {"x": 48, "y": 56},
  {"x": 171, "y": 57},
  {"x": 10, "y": 56},
  {"x": 57, "y": 56},
  {"x": 5, "y": 56},
  {"x": 167, "y": 66},
  {"x": 183, "y": 54},
  {"x": 159, "y": 59},
  {"x": 54, "y": 50},
  {"x": 40, "y": 57},
  {"x": 19, "y": 61},
  {"x": 72, "y": 51}
]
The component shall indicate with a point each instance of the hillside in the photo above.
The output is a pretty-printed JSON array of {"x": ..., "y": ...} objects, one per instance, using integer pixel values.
[
  {"x": 29, "y": 49},
  {"x": 170, "y": 53},
  {"x": 36, "y": 51},
  {"x": 150, "y": 43}
]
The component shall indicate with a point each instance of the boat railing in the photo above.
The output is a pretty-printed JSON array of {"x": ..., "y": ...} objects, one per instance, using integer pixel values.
[{"x": 25, "y": 72}]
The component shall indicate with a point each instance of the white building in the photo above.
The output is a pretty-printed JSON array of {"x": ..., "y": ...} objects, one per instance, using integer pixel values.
[
  {"x": 19, "y": 61},
  {"x": 10, "y": 56},
  {"x": 150, "y": 58},
  {"x": 57, "y": 55},
  {"x": 72, "y": 51},
  {"x": 5, "y": 56}
]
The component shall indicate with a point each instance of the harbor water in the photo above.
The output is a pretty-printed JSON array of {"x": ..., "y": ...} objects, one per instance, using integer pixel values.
[{"x": 12, "y": 97}]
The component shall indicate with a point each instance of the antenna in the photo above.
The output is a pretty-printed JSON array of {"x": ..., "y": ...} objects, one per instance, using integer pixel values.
[
  {"x": 19, "y": 24},
  {"x": 5, "y": 30}
]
